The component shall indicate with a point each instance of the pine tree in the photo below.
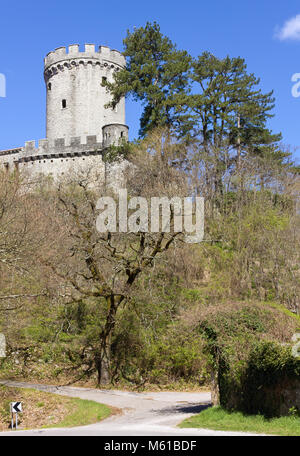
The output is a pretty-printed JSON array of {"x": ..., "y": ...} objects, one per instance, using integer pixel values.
[
  {"x": 229, "y": 107},
  {"x": 157, "y": 75}
]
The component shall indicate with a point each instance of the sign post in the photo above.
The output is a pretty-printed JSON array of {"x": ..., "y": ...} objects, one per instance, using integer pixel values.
[
  {"x": 15, "y": 408},
  {"x": 2, "y": 346}
]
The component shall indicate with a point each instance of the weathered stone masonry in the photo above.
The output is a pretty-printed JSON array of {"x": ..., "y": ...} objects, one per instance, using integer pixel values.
[{"x": 79, "y": 126}]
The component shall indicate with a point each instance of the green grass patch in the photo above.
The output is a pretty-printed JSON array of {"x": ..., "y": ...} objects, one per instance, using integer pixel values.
[
  {"x": 216, "y": 418},
  {"x": 82, "y": 412}
]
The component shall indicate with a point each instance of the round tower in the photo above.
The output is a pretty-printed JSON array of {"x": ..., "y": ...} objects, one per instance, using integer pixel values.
[
  {"x": 75, "y": 95},
  {"x": 114, "y": 134}
]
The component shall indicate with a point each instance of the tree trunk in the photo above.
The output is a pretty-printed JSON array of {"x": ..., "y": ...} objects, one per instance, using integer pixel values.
[
  {"x": 103, "y": 368},
  {"x": 215, "y": 390},
  {"x": 103, "y": 357}
]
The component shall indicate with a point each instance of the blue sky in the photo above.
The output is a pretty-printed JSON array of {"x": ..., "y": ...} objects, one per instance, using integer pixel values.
[{"x": 252, "y": 29}]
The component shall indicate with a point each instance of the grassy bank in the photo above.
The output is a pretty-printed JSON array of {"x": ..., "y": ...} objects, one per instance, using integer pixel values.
[
  {"x": 219, "y": 419},
  {"x": 42, "y": 410}
]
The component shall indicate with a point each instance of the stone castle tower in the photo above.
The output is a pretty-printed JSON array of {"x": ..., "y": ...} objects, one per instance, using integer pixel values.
[
  {"x": 78, "y": 126},
  {"x": 75, "y": 95}
]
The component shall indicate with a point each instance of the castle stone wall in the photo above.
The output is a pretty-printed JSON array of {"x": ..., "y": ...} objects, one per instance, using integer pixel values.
[
  {"x": 75, "y": 95},
  {"x": 83, "y": 157}
]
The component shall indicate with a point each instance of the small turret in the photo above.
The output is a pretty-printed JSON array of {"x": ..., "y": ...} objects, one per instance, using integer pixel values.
[{"x": 114, "y": 134}]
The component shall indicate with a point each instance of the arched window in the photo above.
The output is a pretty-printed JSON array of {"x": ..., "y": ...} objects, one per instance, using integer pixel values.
[{"x": 64, "y": 104}]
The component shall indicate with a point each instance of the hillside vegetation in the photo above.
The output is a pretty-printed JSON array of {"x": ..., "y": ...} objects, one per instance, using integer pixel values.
[
  {"x": 143, "y": 309},
  {"x": 243, "y": 280}
]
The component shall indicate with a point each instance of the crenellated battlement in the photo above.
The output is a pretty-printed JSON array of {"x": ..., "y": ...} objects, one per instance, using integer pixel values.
[
  {"x": 72, "y": 54},
  {"x": 15, "y": 151},
  {"x": 45, "y": 149},
  {"x": 61, "y": 145}
]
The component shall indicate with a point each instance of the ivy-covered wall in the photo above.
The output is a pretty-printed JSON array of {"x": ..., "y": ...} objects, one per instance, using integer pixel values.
[{"x": 253, "y": 369}]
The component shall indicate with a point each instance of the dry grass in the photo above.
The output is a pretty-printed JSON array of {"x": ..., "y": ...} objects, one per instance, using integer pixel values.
[{"x": 280, "y": 324}]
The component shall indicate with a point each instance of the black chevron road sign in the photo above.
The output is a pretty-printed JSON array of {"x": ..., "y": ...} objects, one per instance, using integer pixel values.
[{"x": 16, "y": 407}]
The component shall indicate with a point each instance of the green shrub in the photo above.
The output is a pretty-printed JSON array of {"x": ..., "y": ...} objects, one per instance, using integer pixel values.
[
  {"x": 270, "y": 370},
  {"x": 252, "y": 362}
]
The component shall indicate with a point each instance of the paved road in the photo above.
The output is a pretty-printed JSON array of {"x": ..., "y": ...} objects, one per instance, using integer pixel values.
[{"x": 143, "y": 414}]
